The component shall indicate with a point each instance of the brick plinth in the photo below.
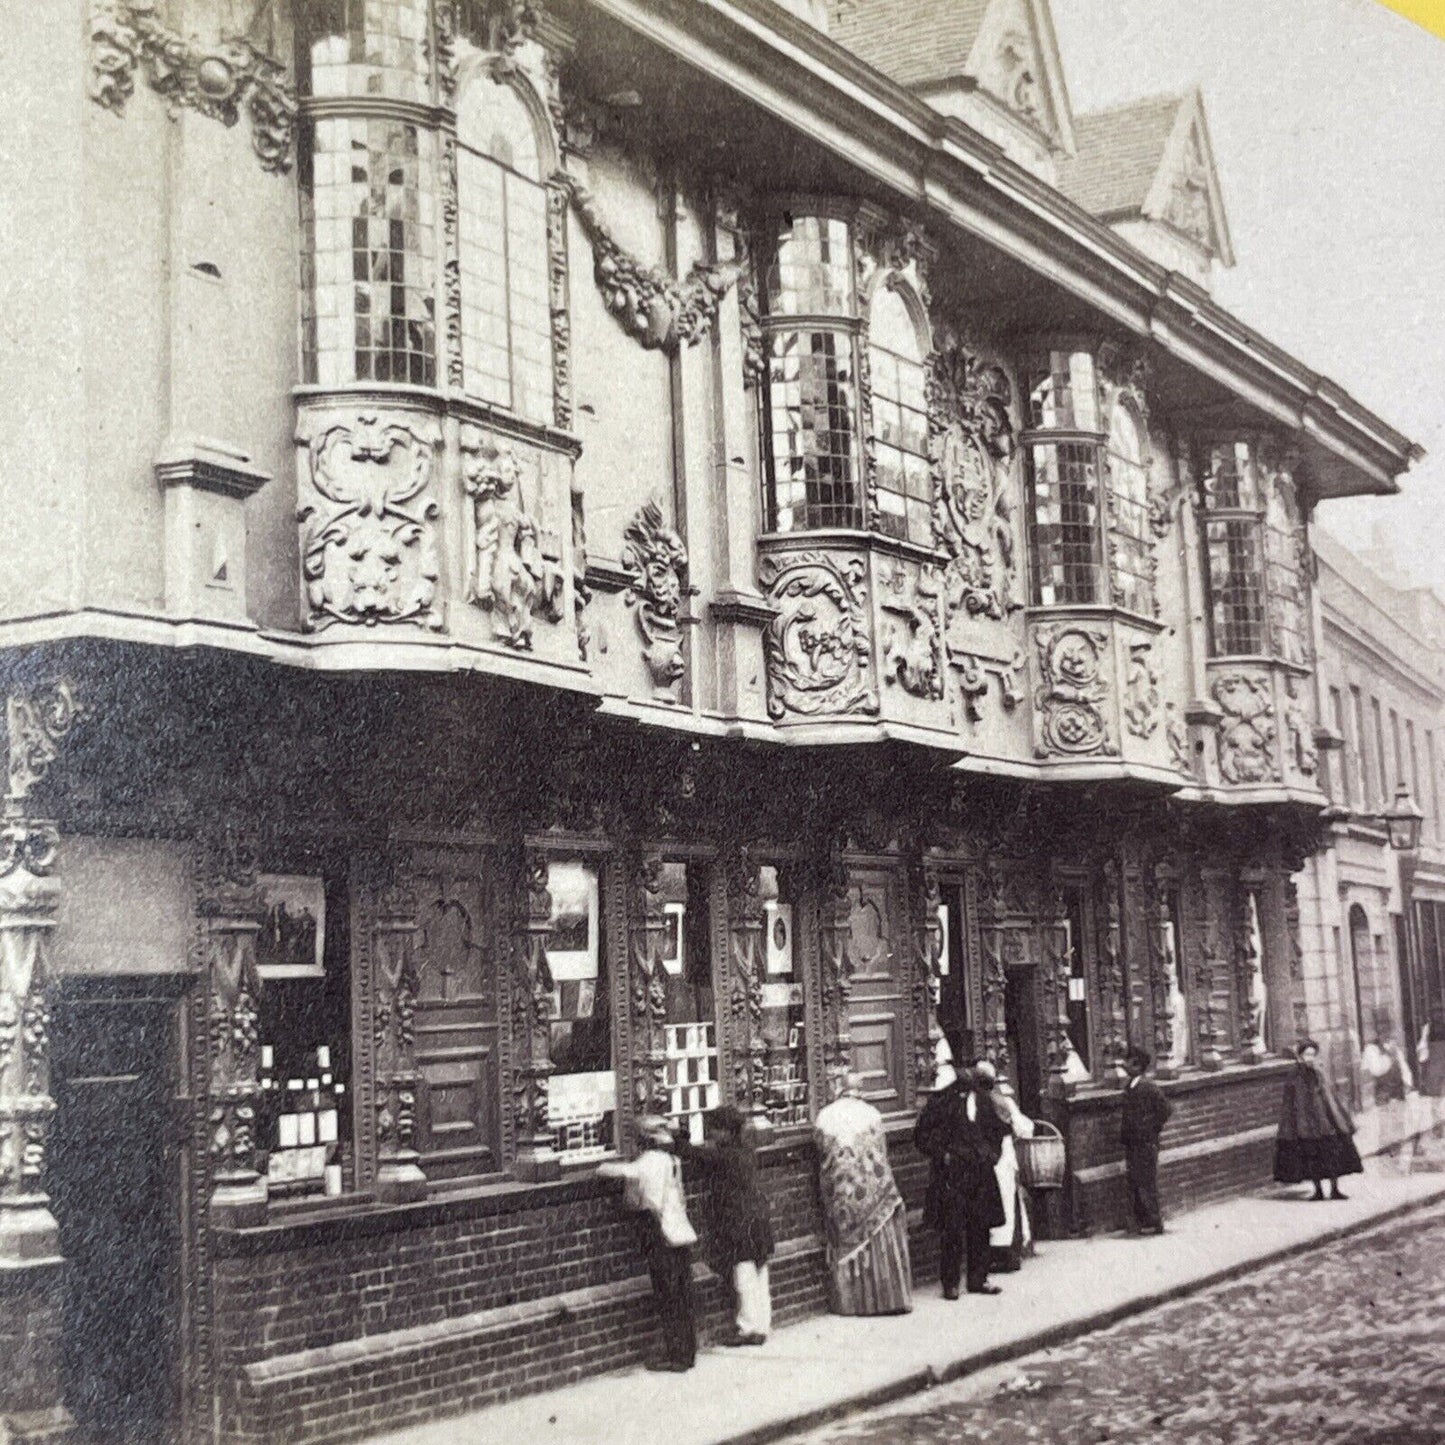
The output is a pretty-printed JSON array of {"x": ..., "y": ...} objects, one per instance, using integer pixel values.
[{"x": 32, "y": 1304}]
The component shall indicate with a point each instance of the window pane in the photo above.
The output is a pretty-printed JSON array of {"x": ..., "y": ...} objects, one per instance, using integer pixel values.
[
  {"x": 690, "y": 1031},
  {"x": 900, "y": 421},
  {"x": 1063, "y": 393},
  {"x": 1236, "y": 606},
  {"x": 1065, "y": 522},
  {"x": 1130, "y": 552},
  {"x": 785, "y": 1095},
  {"x": 493, "y": 121},
  {"x": 811, "y": 269},
  {"x": 810, "y": 420}
]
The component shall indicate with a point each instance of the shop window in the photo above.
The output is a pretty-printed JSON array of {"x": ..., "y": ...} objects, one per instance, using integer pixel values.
[
  {"x": 785, "y": 1087},
  {"x": 304, "y": 1116},
  {"x": 502, "y": 250},
  {"x": 1081, "y": 1058},
  {"x": 368, "y": 225},
  {"x": 810, "y": 399},
  {"x": 1062, "y": 456},
  {"x": 900, "y": 420},
  {"x": 1253, "y": 546},
  {"x": 693, "y": 1078},
  {"x": 1130, "y": 550},
  {"x": 582, "y": 1088}
]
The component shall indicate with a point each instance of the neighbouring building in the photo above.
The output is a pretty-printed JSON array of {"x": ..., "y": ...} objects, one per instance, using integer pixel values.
[
  {"x": 566, "y": 559},
  {"x": 1373, "y": 917}
]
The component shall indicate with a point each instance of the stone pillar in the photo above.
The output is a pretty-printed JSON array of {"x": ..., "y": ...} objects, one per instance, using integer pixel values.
[
  {"x": 531, "y": 1033},
  {"x": 835, "y": 930},
  {"x": 647, "y": 984},
  {"x": 926, "y": 897},
  {"x": 396, "y": 936},
  {"x": 747, "y": 1048},
  {"x": 1113, "y": 1000},
  {"x": 229, "y": 909}
]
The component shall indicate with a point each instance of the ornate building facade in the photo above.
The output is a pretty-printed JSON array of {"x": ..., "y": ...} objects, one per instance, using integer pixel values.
[{"x": 581, "y": 558}]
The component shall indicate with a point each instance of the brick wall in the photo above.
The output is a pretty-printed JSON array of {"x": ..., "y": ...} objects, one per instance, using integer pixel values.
[{"x": 330, "y": 1329}]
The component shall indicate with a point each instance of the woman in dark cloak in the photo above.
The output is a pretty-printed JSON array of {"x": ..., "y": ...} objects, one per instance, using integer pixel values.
[{"x": 1314, "y": 1129}]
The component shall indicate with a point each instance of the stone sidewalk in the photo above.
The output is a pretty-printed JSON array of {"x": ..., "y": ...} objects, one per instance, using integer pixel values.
[{"x": 829, "y": 1366}]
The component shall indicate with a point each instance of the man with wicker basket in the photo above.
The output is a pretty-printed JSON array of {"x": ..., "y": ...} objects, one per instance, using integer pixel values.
[{"x": 1142, "y": 1117}]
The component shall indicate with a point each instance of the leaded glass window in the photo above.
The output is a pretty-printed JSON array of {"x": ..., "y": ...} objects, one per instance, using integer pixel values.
[
  {"x": 900, "y": 421},
  {"x": 810, "y": 400},
  {"x": 365, "y": 47},
  {"x": 1129, "y": 545},
  {"x": 502, "y": 249},
  {"x": 368, "y": 253}
]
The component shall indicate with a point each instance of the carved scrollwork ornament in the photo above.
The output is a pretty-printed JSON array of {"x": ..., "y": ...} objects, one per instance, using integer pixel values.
[
  {"x": 655, "y": 555},
  {"x": 218, "y": 80},
  {"x": 1072, "y": 691},
  {"x": 1247, "y": 729},
  {"x": 1141, "y": 706},
  {"x": 912, "y": 648},
  {"x": 37, "y": 722}
]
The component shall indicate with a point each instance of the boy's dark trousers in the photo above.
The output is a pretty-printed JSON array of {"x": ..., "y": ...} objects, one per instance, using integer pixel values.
[
  {"x": 671, "y": 1270},
  {"x": 1141, "y": 1164},
  {"x": 964, "y": 1242}
]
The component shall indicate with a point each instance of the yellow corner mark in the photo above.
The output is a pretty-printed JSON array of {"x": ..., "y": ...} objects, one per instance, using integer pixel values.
[{"x": 1427, "y": 13}]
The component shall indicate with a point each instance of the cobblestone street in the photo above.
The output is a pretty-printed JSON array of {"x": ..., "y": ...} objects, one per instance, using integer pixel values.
[{"x": 1343, "y": 1344}]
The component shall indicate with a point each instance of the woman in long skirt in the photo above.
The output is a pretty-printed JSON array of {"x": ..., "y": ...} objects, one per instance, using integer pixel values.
[{"x": 1314, "y": 1140}]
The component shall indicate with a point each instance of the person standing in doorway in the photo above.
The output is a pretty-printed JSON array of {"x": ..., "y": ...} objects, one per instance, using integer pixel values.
[
  {"x": 1142, "y": 1117},
  {"x": 652, "y": 1185},
  {"x": 961, "y": 1134},
  {"x": 744, "y": 1229},
  {"x": 1314, "y": 1140},
  {"x": 1014, "y": 1238}
]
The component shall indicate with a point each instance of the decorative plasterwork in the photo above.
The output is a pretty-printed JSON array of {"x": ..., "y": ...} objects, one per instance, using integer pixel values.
[
  {"x": 369, "y": 544},
  {"x": 516, "y": 566},
  {"x": 1301, "y": 750},
  {"x": 658, "y": 311},
  {"x": 973, "y": 451},
  {"x": 1073, "y": 691},
  {"x": 1187, "y": 208},
  {"x": 654, "y": 555},
  {"x": 37, "y": 723},
  {"x": 217, "y": 80},
  {"x": 1247, "y": 729},
  {"x": 817, "y": 649},
  {"x": 912, "y": 654},
  {"x": 1141, "y": 704},
  {"x": 1177, "y": 736},
  {"x": 451, "y": 263},
  {"x": 973, "y": 675}
]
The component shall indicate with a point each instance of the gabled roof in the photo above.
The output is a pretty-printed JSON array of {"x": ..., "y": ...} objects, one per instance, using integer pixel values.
[
  {"x": 1150, "y": 158},
  {"x": 1005, "y": 47}
]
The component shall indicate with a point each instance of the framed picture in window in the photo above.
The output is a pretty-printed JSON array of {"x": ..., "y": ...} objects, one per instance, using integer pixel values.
[
  {"x": 292, "y": 941},
  {"x": 572, "y": 947}
]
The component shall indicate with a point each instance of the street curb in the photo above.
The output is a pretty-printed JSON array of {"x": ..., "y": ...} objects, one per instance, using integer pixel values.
[{"x": 917, "y": 1381}]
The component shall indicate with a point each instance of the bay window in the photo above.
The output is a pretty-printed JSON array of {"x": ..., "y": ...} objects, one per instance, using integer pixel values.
[{"x": 900, "y": 420}]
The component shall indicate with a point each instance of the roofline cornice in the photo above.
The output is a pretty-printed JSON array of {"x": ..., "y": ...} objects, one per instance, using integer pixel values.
[{"x": 808, "y": 80}]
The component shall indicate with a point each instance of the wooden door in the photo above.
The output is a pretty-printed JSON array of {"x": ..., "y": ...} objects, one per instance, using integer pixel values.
[
  {"x": 878, "y": 1005},
  {"x": 457, "y": 1022}
]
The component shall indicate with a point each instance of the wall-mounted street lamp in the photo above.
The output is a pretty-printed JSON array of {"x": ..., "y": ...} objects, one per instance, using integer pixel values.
[{"x": 1403, "y": 820}]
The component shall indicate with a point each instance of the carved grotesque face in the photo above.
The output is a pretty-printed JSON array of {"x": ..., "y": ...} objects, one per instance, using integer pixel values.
[{"x": 664, "y": 587}]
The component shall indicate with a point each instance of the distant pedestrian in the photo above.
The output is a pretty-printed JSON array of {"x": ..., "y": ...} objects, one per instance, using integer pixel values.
[
  {"x": 869, "y": 1272},
  {"x": 1142, "y": 1116},
  {"x": 652, "y": 1184},
  {"x": 1430, "y": 1054},
  {"x": 1314, "y": 1140},
  {"x": 961, "y": 1133},
  {"x": 1014, "y": 1238},
  {"x": 744, "y": 1242}
]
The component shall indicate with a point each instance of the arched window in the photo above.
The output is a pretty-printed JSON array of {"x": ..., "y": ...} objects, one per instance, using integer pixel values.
[
  {"x": 1129, "y": 511},
  {"x": 502, "y": 249},
  {"x": 900, "y": 419}
]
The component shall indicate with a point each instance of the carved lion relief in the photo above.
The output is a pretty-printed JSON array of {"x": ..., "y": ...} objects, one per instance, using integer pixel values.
[
  {"x": 817, "y": 649},
  {"x": 369, "y": 540},
  {"x": 1072, "y": 691},
  {"x": 1247, "y": 730},
  {"x": 654, "y": 553},
  {"x": 515, "y": 572}
]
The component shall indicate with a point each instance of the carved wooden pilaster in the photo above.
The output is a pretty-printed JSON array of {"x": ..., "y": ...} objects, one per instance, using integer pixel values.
[
  {"x": 747, "y": 1048},
  {"x": 925, "y": 897},
  {"x": 1249, "y": 971},
  {"x": 1056, "y": 967},
  {"x": 1207, "y": 945},
  {"x": 835, "y": 974},
  {"x": 395, "y": 941},
  {"x": 993, "y": 978},
  {"x": 230, "y": 909},
  {"x": 1139, "y": 966},
  {"x": 1165, "y": 977},
  {"x": 1295, "y": 1009},
  {"x": 530, "y": 1011},
  {"x": 647, "y": 993},
  {"x": 1113, "y": 999}
]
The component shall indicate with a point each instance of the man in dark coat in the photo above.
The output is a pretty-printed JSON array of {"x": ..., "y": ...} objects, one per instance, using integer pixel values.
[
  {"x": 962, "y": 1134},
  {"x": 1142, "y": 1117}
]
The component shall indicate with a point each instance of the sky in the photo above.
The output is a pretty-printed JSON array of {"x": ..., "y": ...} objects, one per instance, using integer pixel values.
[{"x": 1328, "y": 124}]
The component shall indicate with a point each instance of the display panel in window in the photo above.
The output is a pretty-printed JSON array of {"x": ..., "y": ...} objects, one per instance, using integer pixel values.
[
  {"x": 303, "y": 1119},
  {"x": 785, "y": 1083},
  {"x": 690, "y": 1028},
  {"x": 582, "y": 1088}
]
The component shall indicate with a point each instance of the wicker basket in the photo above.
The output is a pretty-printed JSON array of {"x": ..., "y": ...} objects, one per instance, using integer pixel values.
[{"x": 1041, "y": 1159}]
